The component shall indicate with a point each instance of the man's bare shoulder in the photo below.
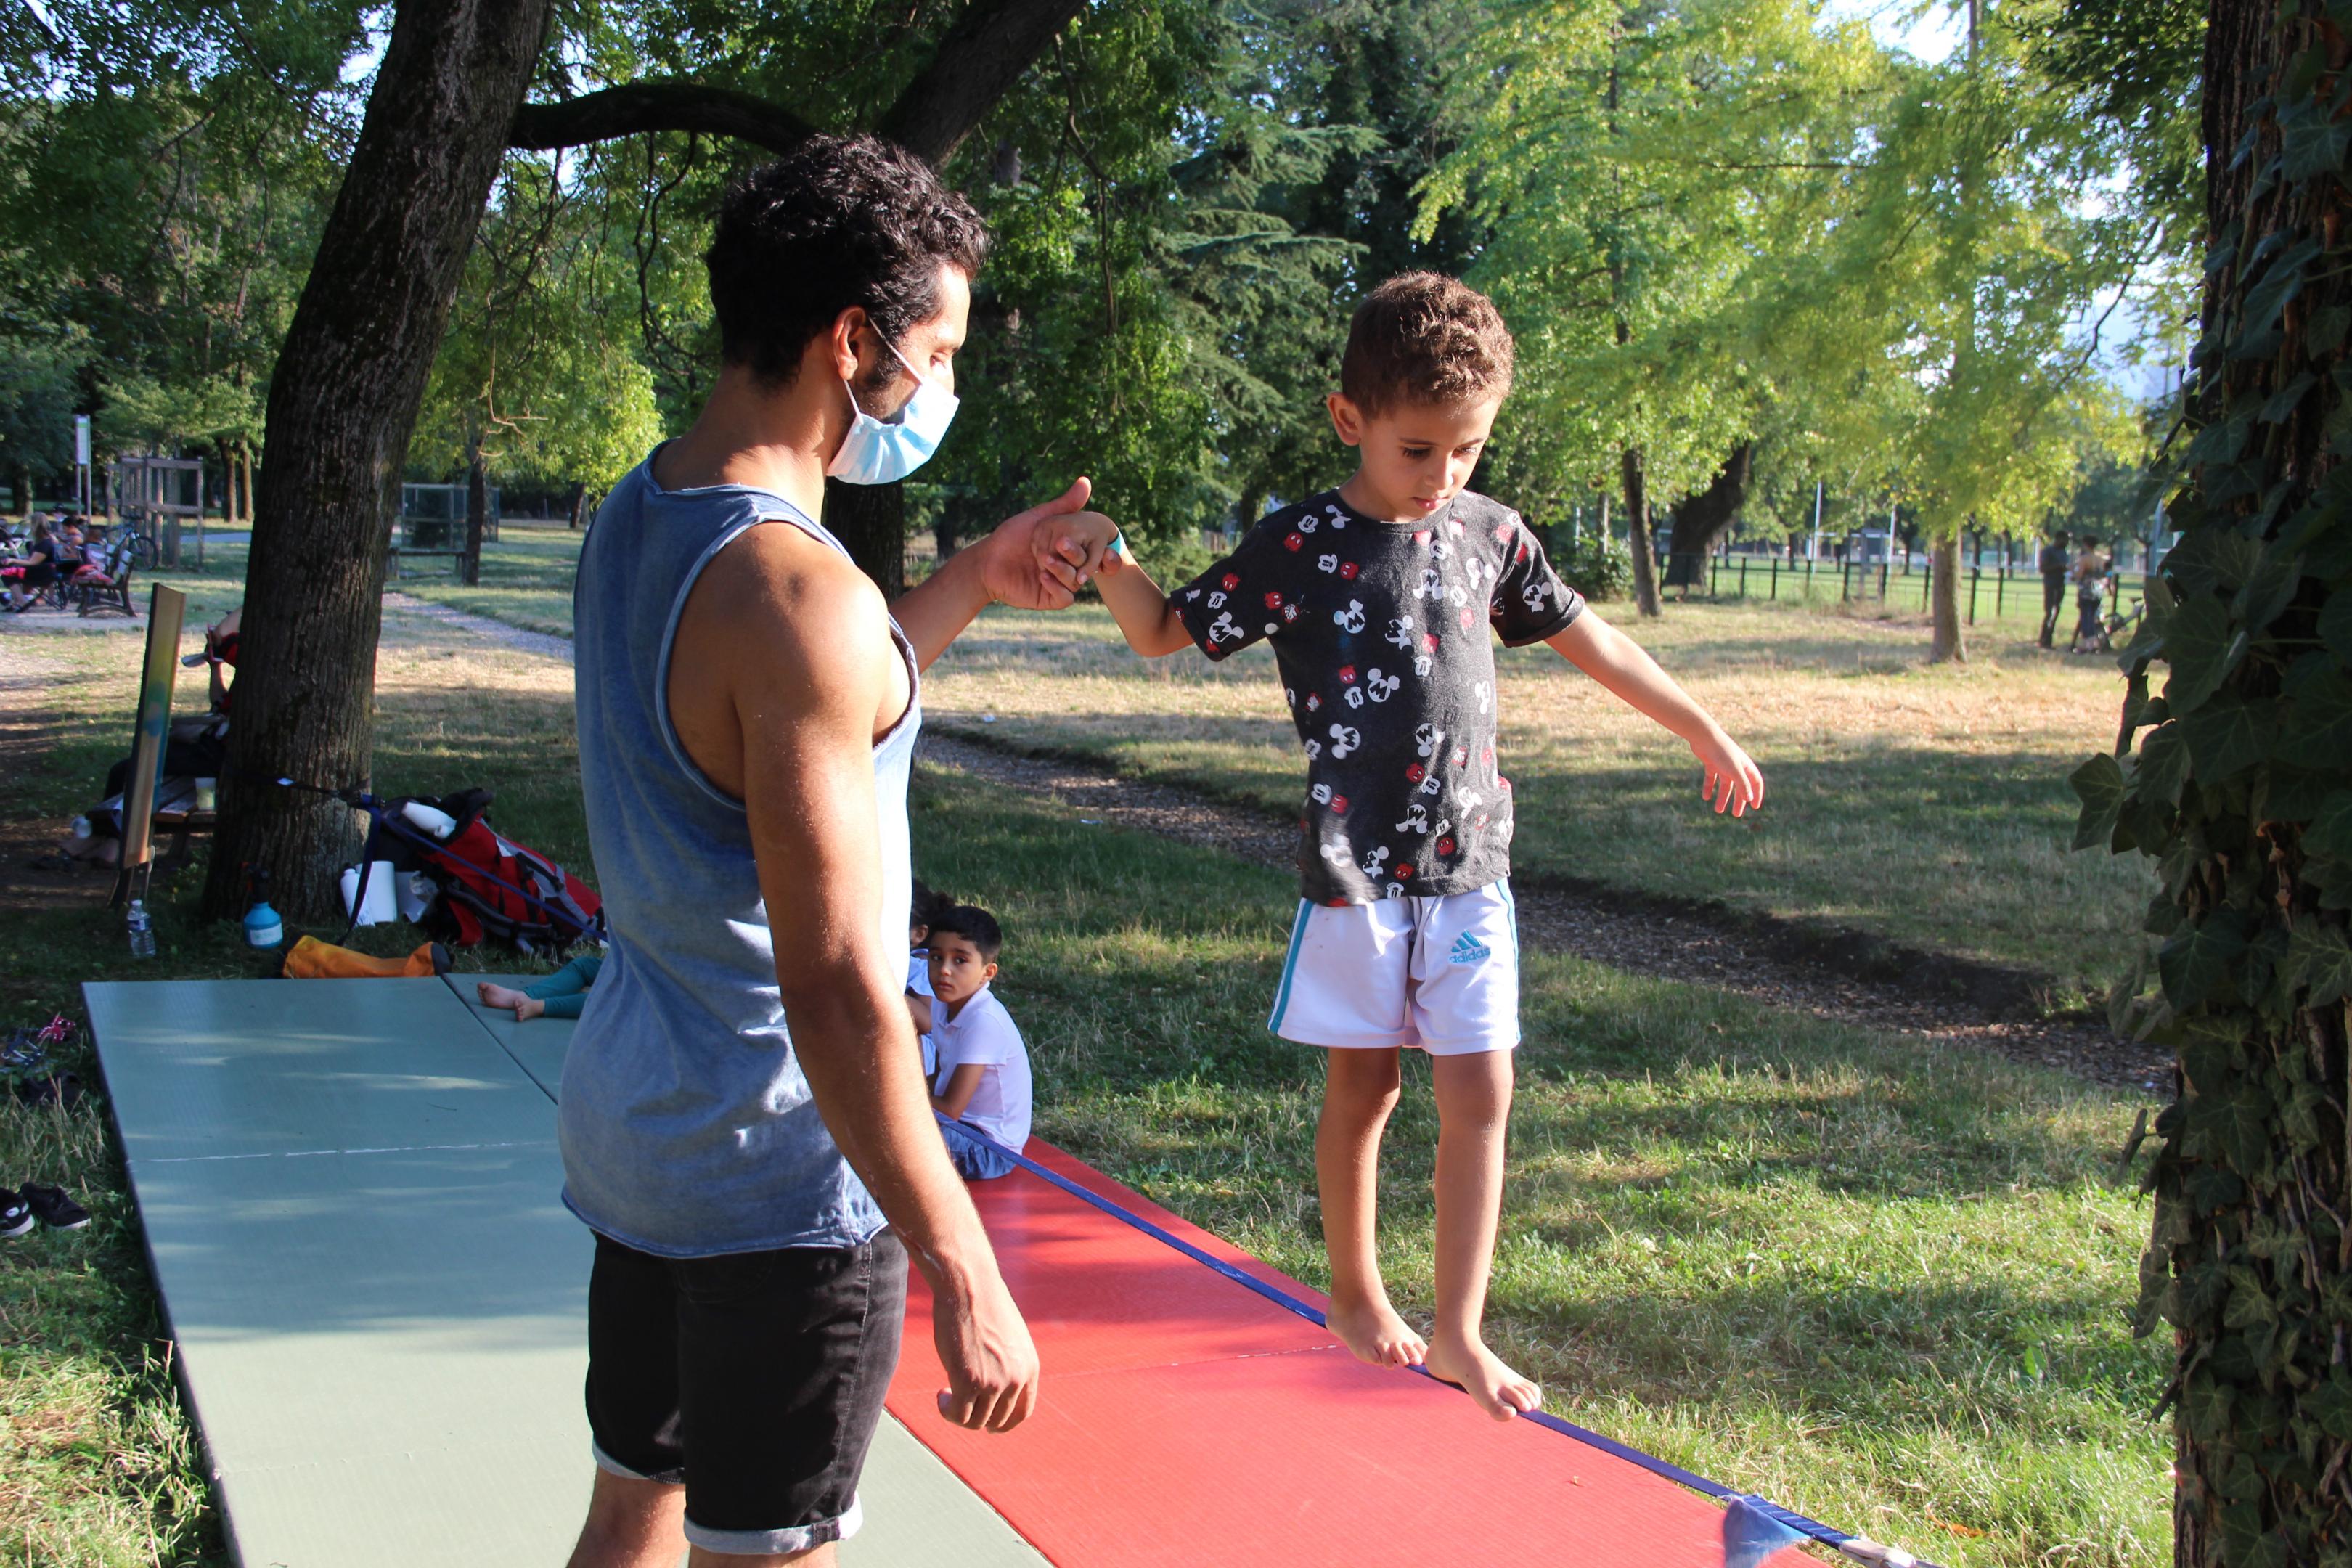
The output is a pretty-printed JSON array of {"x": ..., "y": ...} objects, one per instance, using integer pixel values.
[{"x": 775, "y": 590}]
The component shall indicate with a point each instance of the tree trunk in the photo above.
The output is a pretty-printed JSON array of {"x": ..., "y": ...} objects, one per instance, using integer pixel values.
[
  {"x": 1637, "y": 532},
  {"x": 1702, "y": 520},
  {"x": 343, "y": 404},
  {"x": 871, "y": 521},
  {"x": 1950, "y": 643},
  {"x": 21, "y": 478},
  {"x": 477, "y": 512},
  {"x": 577, "y": 508},
  {"x": 2239, "y": 794}
]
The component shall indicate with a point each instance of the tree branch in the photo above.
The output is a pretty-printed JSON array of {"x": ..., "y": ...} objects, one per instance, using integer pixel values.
[
  {"x": 637, "y": 107},
  {"x": 975, "y": 65}
]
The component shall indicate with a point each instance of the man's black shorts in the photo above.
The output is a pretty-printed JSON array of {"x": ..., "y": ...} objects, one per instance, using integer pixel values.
[{"x": 756, "y": 1379}]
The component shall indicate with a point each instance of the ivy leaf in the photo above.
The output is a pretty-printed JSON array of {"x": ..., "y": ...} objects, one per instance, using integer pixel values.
[
  {"x": 2238, "y": 1124},
  {"x": 2330, "y": 831},
  {"x": 2100, "y": 783},
  {"x": 2269, "y": 589},
  {"x": 2228, "y": 734},
  {"x": 2163, "y": 765},
  {"x": 2196, "y": 958},
  {"x": 2199, "y": 644},
  {"x": 2336, "y": 627},
  {"x": 2320, "y": 735},
  {"x": 2319, "y": 956},
  {"x": 2310, "y": 142}
]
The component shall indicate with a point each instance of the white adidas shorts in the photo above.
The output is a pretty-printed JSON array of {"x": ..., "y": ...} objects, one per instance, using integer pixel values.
[{"x": 1439, "y": 974}]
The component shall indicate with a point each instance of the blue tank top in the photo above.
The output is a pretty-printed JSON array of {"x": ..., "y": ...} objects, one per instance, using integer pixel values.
[{"x": 686, "y": 1127}]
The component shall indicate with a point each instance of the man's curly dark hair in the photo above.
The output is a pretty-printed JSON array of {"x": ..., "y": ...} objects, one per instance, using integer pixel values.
[{"x": 838, "y": 221}]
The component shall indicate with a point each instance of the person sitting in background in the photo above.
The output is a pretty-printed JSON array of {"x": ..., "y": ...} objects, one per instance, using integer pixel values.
[
  {"x": 981, "y": 1081},
  {"x": 37, "y": 569},
  {"x": 929, "y": 905},
  {"x": 926, "y": 906},
  {"x": 560, "y": 996}
]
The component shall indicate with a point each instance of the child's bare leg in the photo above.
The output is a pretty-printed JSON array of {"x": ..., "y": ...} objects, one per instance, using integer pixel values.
[
  {"x": 1359, "y": 1089},
  {"x": 1474, "y": 1107}
]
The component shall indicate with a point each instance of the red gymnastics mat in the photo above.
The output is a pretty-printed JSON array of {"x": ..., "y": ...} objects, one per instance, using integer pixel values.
[{"x": 1186, "y": 1419}]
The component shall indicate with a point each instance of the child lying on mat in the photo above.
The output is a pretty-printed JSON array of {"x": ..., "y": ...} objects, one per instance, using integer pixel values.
[
  {"x": 560, "y": 996},
  {"x": 981, "y": 1081},
  {"x": 1382, "y": 600}
]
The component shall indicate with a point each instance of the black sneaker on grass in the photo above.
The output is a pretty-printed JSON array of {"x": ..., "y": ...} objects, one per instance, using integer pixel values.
[
  {"x": 16, "y": 1214},
  {"x": 54, "y": 1208}
]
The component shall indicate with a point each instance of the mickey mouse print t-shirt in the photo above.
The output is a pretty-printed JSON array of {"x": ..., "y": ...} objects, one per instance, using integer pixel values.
[{"x": 1380, "y": 632}]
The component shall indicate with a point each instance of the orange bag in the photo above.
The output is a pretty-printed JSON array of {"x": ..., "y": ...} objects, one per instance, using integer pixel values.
[{"x": 311, "y": 959}]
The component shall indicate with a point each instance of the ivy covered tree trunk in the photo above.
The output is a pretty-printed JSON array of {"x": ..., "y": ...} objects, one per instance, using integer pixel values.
[
  {"x": 342, "y": 403},
  {"x": 2237, "y": 778}
]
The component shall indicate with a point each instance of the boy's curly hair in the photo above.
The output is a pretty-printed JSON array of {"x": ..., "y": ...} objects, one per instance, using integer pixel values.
[
  {"x": 836, "y": 222},
  {"x": 1423, "y": 338}
]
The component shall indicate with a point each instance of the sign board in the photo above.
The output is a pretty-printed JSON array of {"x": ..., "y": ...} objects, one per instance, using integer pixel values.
[
  {"x": 81, "y": 439},
  {"x": 167, "y": 609}
]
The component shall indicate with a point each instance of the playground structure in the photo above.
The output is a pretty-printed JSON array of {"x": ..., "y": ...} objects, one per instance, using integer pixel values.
[
  {"x": 157, "y": 498},
  {"x": 432, "y": 527}
]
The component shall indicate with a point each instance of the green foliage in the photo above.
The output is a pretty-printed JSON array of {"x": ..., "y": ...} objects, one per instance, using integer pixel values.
[
  {"x": 1598, "y": 568},
  {"x": 164, "y": 172},
  {"x": 2233, "y": 780},
  {"x": 38, "y": 383},
  {"x": 538, "y": 371}
]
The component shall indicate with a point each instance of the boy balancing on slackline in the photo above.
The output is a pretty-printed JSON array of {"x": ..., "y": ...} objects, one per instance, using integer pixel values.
[{"x": 1377, "y": 597}]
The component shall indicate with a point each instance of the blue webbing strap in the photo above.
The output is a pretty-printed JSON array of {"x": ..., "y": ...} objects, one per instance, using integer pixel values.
[{"x": 1284, "y": 1299}]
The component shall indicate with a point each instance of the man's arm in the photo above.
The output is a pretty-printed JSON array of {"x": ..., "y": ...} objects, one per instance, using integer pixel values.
[
  {"x": 808, "y": 702},
  {"x": 1733, "y": 783},
  {"x": 1036, "y": 560}
]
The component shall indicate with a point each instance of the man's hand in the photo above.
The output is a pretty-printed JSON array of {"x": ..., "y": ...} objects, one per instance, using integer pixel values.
[
  {"x": 1039, "y": 559},
  {"x": 991, "y": 1363},
  {"x": 1734, "y": 783}
]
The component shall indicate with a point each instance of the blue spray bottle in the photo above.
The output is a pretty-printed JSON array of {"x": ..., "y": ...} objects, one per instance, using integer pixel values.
[{"x": 263, "y": 929}]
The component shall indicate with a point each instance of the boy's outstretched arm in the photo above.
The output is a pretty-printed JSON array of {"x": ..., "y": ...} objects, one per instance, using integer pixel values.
[
  {"x": 1621, "y": 664},
  {"x": 1137, "y": 604}
]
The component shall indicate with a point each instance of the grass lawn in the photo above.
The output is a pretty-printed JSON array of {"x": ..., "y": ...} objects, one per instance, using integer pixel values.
[{"x": 1880, "y": 1282}]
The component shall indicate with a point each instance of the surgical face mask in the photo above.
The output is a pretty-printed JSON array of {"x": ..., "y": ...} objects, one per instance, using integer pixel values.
[{"x": 874, "y": 453}]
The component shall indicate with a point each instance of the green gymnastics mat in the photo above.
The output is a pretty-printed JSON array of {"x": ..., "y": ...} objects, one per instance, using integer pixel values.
[
  {"x": 536, "y": 1047},
  {"x": 349, "y": 1193}
]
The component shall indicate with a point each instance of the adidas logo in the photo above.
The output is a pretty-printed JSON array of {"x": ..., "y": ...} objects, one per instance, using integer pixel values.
[{"x": 1468, "y": 949}]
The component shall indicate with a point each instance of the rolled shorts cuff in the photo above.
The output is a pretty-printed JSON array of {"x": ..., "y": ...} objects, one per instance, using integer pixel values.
[
  {"x": 612, "y": 1465},
  {"x": 1464, "y": 1046},
  {"x": 777, "y": 1542}
]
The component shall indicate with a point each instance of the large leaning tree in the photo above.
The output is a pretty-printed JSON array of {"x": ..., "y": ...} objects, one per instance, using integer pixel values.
[
  {"x": 447, "y": 102},
  {"x": 2236, "y": 778}
]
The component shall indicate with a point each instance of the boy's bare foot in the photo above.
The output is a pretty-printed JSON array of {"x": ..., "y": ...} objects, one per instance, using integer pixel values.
[
  {"x": 1480, "y": 1374},
  {"x": 1375, "y": 1333},
  {"x": 502, "y": 996}
]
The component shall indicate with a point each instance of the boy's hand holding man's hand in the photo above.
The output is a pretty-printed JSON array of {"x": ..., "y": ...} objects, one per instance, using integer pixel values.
[{"x": 1039, "y": 559}]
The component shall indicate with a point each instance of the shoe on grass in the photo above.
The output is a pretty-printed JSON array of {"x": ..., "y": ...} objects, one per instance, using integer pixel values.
[
  {"x": 53, "y": 1207},
  {"x": 16, "y": 1214}
]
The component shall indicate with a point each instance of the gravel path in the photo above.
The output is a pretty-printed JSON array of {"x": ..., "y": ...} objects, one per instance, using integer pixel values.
[
  {"x": 1620, "y": 932},
  {"x": 1631, "y": 934}
]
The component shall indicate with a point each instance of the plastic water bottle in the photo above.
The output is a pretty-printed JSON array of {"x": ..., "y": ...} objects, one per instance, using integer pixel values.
[
  {"x": 262, "y": 926},
  {"x": 142, "y": 931},
  {"x": 430, "y": 820}
]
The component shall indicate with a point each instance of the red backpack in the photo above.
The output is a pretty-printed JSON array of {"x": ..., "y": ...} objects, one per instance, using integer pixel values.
[{"x": 490, "y": 885}]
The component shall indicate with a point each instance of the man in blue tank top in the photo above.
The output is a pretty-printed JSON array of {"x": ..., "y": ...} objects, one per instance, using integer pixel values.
[{"x": 742, "y": 1110}]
